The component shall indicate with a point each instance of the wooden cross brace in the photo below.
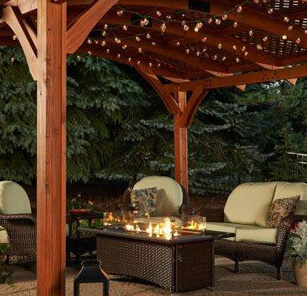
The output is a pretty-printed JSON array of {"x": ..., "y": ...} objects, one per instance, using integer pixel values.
[{"x": 169, "y": 97}]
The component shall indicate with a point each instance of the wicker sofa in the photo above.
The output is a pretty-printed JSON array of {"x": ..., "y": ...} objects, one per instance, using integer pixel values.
[
  {"x": 245, "y": 215},
  {"x": 17, "y": 224}
]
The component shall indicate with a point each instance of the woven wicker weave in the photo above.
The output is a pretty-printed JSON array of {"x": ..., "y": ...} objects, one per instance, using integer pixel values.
[
  {"x": 244, "y": 251},
  {"x": 22, "y": 233},
  {"x": 175, "y": 267}
]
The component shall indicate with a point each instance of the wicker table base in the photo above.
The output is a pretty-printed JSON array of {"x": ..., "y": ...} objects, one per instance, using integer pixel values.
[
  {"x": 177, "y": 268},
  {"x": 181, "y": 264}
]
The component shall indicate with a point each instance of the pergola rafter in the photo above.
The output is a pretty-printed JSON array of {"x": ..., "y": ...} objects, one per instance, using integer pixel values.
[{"x": 248, "y": 45}]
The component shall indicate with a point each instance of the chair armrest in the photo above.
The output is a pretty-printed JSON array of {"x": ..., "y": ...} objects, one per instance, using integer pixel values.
[
  {"x": 21, "y": 230},
  {"x": 282, "y": 235}
]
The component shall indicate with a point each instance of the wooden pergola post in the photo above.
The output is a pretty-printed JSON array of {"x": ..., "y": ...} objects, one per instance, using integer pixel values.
[
  {"x": 181, "y": 143},
  {"x": 51, "y": 148}
]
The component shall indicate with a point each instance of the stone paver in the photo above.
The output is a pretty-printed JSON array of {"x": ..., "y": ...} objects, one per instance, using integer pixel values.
[{"x": 254, "y": 279}]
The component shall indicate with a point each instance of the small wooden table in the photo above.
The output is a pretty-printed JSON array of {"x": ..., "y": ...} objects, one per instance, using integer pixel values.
[{"x": 181, "y": 264}]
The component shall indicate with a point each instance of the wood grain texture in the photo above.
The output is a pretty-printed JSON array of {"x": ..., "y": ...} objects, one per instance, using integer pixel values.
[
  {"x": 83, "y": 25},
  {"x": 189, "y": 111},
  {"x": 165, "y": 96},
  {"x": 248, "y": 78},
  {"x": 51, "y": 149},
  {"x": 15, "y": 20},
  {"x": 181, "y": 144}
]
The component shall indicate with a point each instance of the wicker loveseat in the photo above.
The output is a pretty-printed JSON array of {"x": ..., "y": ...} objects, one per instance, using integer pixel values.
[
  {"x": 245, "y": 215},
  {"x": 17, "y": 225}
]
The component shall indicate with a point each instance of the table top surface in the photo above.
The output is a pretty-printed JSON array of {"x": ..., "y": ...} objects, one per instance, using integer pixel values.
[{"x": 184, "y": 237}]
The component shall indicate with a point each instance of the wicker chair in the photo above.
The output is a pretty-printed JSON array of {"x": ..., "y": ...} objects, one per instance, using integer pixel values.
[
  {"x": 16, "y": 221},
  {"x": 255, "y": 249},
  {"x": 172, "y": 198}
]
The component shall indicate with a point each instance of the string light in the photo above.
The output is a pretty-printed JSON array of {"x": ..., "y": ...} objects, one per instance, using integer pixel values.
[
  {"x": 265, "y": 38},
  {"x": 153, "y": 43},
  {"x": 139, "y": 62},
  {"x": 238, "y": 60},
  {"x": 204, "y": 39},
  {"x": 163, "y": 27},
  {"x": 178, "y": 43},
  {"x": 103, "y": 43},
  {"x": 14, "y": 37},
  {"x": 148, "y": 36},
  {"x": 125, "y": 28},
  {"x": 117, "y": 40},
  {"x": 218, "y": 21},
  {"x": 239, "y": 9},
  {"x": 298, "y": 40},
  {"x": 138, "y": 38},
  {"x": 89, "y": 41},
  {"x": 286, "y": 19},
  {"x": 120, "y": 12},
  {"x": 119, "y": 55},
  {"x": 12, "y": 59},
  {"x": 105, "y": 26},
  {"x": 186, "y": 27},
  {"x": 188, "y": 51},
  {"x": 284, "y": 37},
  {"x": 140, "y": 50},
  {"x": 108, "y": 50},
  {"x": 198, "y": 53},
  {"x": 219, "y": 46},
  {"x": 104, "y": 33},
  {"x": 235, "y": 24},
  {"x": 124, "y": 46},
  {"x": 158, "y": 13},
  {"x": 259, "y": 46},
  {"x": 198, "y": 26},
  {"x": 290, "y": 27},
  {"x": 270, "y": 10}
]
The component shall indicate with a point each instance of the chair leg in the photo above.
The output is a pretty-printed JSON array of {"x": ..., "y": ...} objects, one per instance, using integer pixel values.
[
  {"x": 7, "y": 260},
  {"x": 236, "y": 266},
  {"x": 279, "y": 273}
]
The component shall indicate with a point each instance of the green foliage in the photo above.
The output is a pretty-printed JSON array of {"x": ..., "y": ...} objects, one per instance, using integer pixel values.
[
  {"x": 5, "y": 275},
  {"x": 296, "y": 251},
  {"x": 118, "y": 129}
]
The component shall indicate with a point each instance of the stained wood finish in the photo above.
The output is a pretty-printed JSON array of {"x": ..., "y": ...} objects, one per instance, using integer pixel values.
[
  {"x": 255, "y": 77},
  {"x": 84, "y": 24},
  {"x": 181, "y": 144},
  {"x": 51, "y": 149},
  {"x": 165, "y": 96},
  {"x": 195, "y": 100},
  {"x": 15, "y": 20}
]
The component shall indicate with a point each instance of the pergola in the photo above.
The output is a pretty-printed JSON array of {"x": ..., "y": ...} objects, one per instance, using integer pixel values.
[{"x": 183, "y": 48}]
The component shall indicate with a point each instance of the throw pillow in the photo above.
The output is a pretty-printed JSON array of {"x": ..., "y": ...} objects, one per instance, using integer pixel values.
[
  {"x": 144, "y": 201},
  {"x": 281, "y": 209}
]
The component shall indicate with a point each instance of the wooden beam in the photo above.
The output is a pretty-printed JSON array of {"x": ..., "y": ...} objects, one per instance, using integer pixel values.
[
  {"x": 80, "y": 28},
  {"x": 249, "y": 16},
  {"x": 248, "y": 78},
  {"x": 181, "y": 144},
  {"x": 197, "y": 97},
  {"x": 13, "y": 18},
  {"x": 51, "y": 149},
  {"x": 173, "y": 53},
  {"x": 99, "y": 52},
  {"x": 166, "y": 97},
  {"x": 212, "y": 39}
]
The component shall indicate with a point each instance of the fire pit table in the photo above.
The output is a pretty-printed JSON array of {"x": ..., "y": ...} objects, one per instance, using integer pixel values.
[{"x": 180, "y": 263}]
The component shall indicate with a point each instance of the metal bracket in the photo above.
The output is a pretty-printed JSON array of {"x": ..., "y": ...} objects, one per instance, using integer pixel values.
[{"x": 199, "y": 5}]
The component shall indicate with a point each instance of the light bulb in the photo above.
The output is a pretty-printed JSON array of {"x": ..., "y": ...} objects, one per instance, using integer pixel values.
[
  {"x": 148, "y": 36},
  {"x": 163, "y": 27},
  {"x": 239, "y": 9},
  {"x": 235, "y": 24},
  {"x": 125, "y": 28},
  {"x": 120, "y": 12}
]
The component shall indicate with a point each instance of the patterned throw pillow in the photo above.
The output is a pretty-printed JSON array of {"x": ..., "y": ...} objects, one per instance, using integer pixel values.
[
  {"x": 281, "y": 209},
  {"x": 144, "y": 201}
]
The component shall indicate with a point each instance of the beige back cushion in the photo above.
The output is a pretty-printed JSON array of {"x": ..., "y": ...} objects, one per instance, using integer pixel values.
[
  {"x": 285, "y": 189},
  {"x": 13, "y": 199},
  {"x": 249, "y": 203},
  {"x": 169, "y": 194}
]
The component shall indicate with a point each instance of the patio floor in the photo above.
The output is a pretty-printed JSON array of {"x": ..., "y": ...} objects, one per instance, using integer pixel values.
[{"x": 254, "y": 279}]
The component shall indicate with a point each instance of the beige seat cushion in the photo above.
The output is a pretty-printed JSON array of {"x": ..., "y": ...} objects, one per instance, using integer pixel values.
[
  {"x": 157, "y": 220},
  {"x": 249, "y": 203},
  {"x": 226, "y": 227},
  {"x": 245, "y": 233},
  {"x": 169, "y": 194},
  {"x": 13, "y": 199},
  {"x": 261, "y": 235},
  {"x": 4, "y": 237}
]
